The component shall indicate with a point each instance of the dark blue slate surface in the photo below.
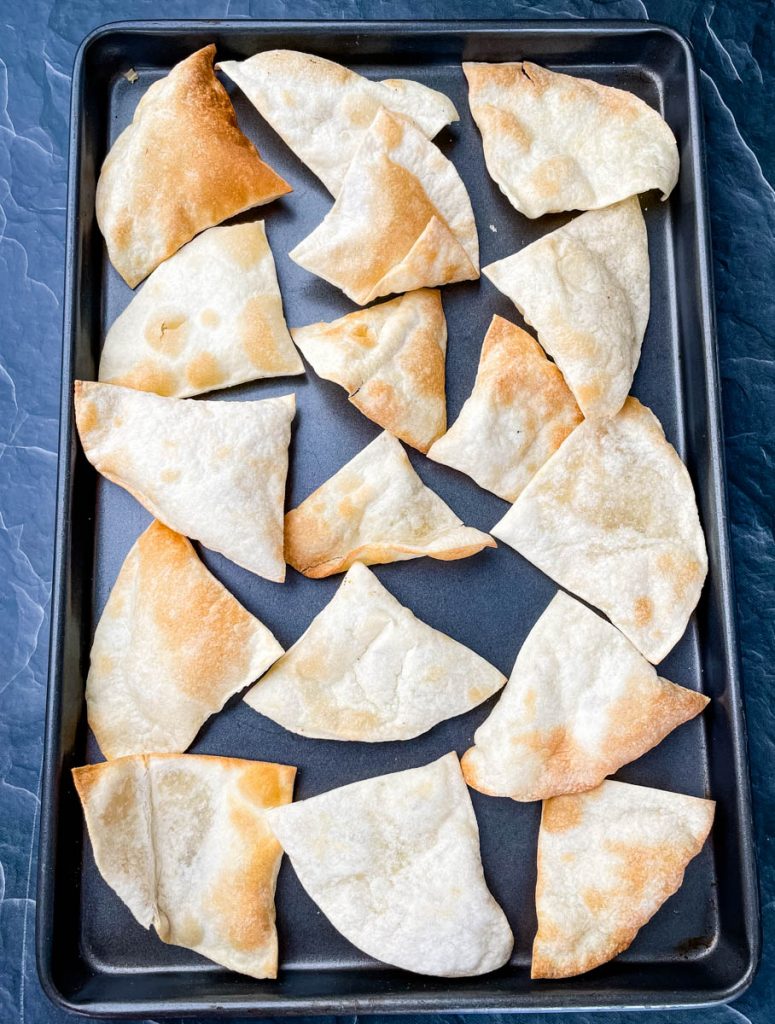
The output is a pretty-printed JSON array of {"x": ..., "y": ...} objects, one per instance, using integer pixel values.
[{"x": 735, "y": 43}]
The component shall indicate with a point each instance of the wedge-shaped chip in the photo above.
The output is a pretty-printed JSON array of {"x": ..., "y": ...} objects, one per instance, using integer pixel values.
[
  {"x": 183, "y": 841},
  {"x": 209, "y": 317},
  {"x": 214, "y": 471},
  {"x": 390, "y": 358},
  {"x": 607, "y": 861},
  {"x": 322, "y": 110},
  {"x": 181, "y": 166},
  {"x": 366, "y": 669},
  {"x": 170, "y": 649},
  {"x": 376, "y": 509},
  {"x": 585, "y": 289},
  {"x": 403, "y": 219},
  {"x": 612, "y": 517},
  {"x": 518, "y": 414},
  {"x": 393, "y": 862},
  {"x": 554, "y": 142},
  {"x": 580, "y": 703}
]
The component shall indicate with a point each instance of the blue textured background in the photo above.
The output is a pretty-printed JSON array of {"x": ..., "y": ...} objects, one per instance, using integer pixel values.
[{"x": 734, "y": 41}]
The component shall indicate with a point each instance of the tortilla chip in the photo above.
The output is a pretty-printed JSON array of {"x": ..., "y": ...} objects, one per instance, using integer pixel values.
[
  {"x": 170, "y": 649},
  {"x": 518, "y": 414},
  {"x": 612, "y": 517},
  {"x": 322, "y": 110},
  {"x": 183, "y": 841},
  {"x": 607, "y": 861},
  {"x": 366, "y": 669},
  {"x": 209, "y": 317},
  {"x": 403, "y": 219},
  {"x": 181, "y": 166},
  {"x": 214, "y": 471},
  {"x": 394, "y": 864},
  {"x": 580, "y": 703},
  {"x": 375, "y": 509},
  {"x": 585, "y": 289},
  {"x": 390, "y": 358},
  {"x": 555, "y": 142}
]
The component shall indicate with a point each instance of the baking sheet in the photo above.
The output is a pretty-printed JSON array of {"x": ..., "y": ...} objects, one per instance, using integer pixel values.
[{"x": 703, "y": 944}]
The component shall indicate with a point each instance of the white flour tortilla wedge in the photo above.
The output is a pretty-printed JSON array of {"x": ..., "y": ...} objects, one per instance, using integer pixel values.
[
  {"x": 580, "y": 703},
  {"x": 172, "y": 645},
  {"x": 402, "y": 220},
  {"x": 394, "y": 863},
  {"x": 367, "y": 669},
  {"x": 210, "y": 316},
  {"x": 390, "y": 359},
  {"x": 322, "y": 110},
  {"x": 518, "y": 414},
  {"x": 214, "y": 471},
  {"x": 607, "y": 861},
  {"x": 586, "y": 289},
  {"x": 183, "y": 840},
  {"x": 375, "y": 509},
  {"x": 554, "y": 142},
  {"x": 612, "y": 517},
  {"x": 181, "y": 166}
]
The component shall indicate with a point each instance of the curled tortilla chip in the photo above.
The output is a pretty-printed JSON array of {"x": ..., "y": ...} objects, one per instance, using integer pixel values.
[
  {"x": 375, "y": 509},
  {"x": 580, "y": 703},
  {"x": 171, "y": 647},
  {"x": 390, "y": 358},
  {"x": 181, "y": 166},
  {"x": 402, "y": 220},
  {"x": 518, "y": 414},
  {"x": 367, "y": 669},
  {"x": 607, "y": 861},
  {"x": 394, "y": 864},
  {"x": 214, "y": 471},
  {"x": 554, "y": 142},
  {"x": 586, "y": 289},
  {"x": 183, "y": 841},
  {"x": 322, "y": 110},
  {"x": 210, "y": 316},
  {"x": 612, "y": 517}
]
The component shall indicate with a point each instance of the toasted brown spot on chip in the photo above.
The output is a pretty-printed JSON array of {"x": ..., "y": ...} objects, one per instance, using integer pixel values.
[
  {"x": 167, "y": 333},
  {"x": 203, "y": 372},
  {"x": 267, "y": 785},
  {"x": 561, "y": 813},
  {"x": 87, "y": 414},
  {"x": 209, "y": 318},
  {"x": 644, "y": 610},
  {"x": 256, "y": 331},
  {"x": 149, "y": 376}
]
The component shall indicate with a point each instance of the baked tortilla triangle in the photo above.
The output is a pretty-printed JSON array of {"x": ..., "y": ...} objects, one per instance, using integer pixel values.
[
  {"x": 210, "y": 316},
  {"x": 181, "y": 166},
  {"x": 402, "y": 220},
  {"x": 580, "y": 703},
  {"x": 394, "y": 864},
  {"x": 607, "y": 861},
  {"x": 375, "y": 509},
  {"x": 183, "y": 840},
  {"x": 518, "y": 414},
  {"x": 613, "y": 518},
  {"x": 586, "y": 289},
  {"x": 367, "y": 669},
  {"x": 172, "y": 645},
  {"x": 555, "y": 142},
  {"x": 213, "y": 471},
  {"x": 390, "y": 359},
  {"x": 322, "y": 109}
]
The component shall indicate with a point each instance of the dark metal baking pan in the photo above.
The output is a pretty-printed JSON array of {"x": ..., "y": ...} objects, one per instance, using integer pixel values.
[{"x": 703, "y": 945}]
